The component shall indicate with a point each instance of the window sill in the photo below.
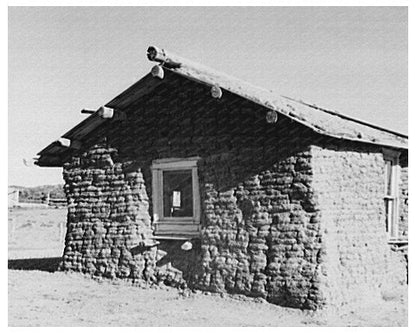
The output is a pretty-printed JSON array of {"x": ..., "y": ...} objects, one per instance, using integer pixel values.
[
  {"x": 398, "y": 241},
  {"x": 175, "y": 237},
  {"x": 181, "y": 229}
]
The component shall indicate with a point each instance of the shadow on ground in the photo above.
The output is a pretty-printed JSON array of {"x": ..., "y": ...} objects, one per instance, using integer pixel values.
[{"x": 35, "y": 264}]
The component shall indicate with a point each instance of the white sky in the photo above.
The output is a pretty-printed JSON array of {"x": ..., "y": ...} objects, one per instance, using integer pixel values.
[{"x": 63, "y": 59}]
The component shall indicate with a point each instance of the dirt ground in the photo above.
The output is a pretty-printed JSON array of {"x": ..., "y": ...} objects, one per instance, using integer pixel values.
[
  {"x": 36, "y": 233},
  {"x": 40, "y": 296}
]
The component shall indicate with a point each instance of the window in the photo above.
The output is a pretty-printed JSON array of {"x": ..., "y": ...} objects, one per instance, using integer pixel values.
[
  {"x": 391, "y": 192},
  {"x": 177, "y": 193},
  {"x": 176, "y": 202}
]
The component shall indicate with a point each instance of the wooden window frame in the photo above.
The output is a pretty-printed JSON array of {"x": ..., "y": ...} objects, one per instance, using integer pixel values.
[
  {"x": 393, "y": 222},
  {"x": 175, "y": 227}
]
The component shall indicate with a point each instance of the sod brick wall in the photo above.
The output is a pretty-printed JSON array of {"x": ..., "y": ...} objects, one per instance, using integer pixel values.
[
  {"x": 357, "y": 261},
  {"x": 261, "y": 237},
  {"x": 108, "y": 218}
]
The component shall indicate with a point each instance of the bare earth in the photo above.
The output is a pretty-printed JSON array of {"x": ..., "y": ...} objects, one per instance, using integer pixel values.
[{"x": 41, "y": 298}]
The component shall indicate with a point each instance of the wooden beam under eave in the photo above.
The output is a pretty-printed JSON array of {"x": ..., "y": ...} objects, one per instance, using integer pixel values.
[
  {"x": 68, "y": 143},
  {"x": 75, "y": 144},
  {"x": 87, "y": 111},
  {"x": 85, "y": 127},
  {"x": 141, "y": 88},
  {"x": 49, "y": 161}
]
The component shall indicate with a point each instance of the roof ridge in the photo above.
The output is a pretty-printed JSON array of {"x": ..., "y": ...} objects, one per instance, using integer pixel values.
[{"x": 178, "y": 64}]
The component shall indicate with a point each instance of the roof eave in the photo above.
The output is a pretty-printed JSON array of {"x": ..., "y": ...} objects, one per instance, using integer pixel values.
[{"x": 277, "y": 105}]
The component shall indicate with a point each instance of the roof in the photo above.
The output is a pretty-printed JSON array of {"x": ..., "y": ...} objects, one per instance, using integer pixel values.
[{"x": 322, "y": 121}]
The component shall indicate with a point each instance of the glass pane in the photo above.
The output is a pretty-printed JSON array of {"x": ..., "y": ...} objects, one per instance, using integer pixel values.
[
  {"x": 389, "y": 176},
  {"x": 177, "y": 193},
  {"x": 389, "y": 214}
]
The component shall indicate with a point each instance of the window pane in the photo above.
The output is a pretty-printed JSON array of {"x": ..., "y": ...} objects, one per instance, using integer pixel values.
[
  {"x": 389, "y": 214},
  {"x": 389, "y": 177},
  {"x": 177, "y": 193}
]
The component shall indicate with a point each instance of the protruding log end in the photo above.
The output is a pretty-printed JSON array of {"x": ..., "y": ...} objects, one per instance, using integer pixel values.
[
  {"x": 157, "y": 71},
  {"x": 161, "y": 56},
  {"x": 216, "y": 91},
  {"x": 105, "y": 112},
  {"x": 31, "y": 161},
  {"x": 68, "y": 143},
  {"x": 271, "y": 117},
  {"x": 64, "y": 142},
  {"x": 87, "y": 111},
  {"x": 156, "y": 54}
]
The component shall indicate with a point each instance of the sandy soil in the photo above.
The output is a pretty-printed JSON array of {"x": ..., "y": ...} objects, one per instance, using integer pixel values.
[{"x": 41, "y": 298}]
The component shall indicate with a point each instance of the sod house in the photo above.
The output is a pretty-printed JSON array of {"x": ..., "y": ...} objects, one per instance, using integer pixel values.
[{"x": 191, "y": 177}]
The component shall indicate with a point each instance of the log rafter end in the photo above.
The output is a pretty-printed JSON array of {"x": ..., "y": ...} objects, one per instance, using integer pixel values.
[
  {"x": 216, "y": 91},
  {"x": 157, "y": 71}
]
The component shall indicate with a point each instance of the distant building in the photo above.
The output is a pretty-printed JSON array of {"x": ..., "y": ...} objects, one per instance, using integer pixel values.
[
  {"x": 190, "y": 175},
  {"x": 13, "y": 196}
]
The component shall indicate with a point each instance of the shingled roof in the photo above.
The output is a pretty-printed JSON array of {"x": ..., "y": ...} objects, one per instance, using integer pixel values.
[{"x": 322, "y": 121}]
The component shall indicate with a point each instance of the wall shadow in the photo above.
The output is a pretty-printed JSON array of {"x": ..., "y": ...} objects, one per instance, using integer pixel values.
[{"x": 35, "y": 264}]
